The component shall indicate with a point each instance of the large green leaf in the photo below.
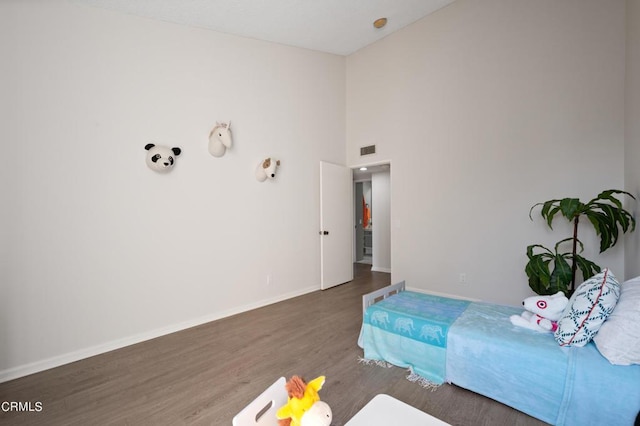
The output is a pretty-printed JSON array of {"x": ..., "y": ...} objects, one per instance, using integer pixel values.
[
  {"x": 551, "y": 214},
  {"x": 587, "y": 267},
  {"x": 542, "y": 279},
  {"x": 561, "y": 275},
  {"x": 546, "y": 211},
  {"x": 570, "y": 207},
  {"x": 608, "y": 194},
  {"x": 626, "y": 220},
  {"x": 540, "y": 246},
  {"x": 566, "y": 240},
  {"x": 603, "y": 228},
  {"x": 537, "y": 269},
  {"x": 616, "y": 213},
  {"x": 538, "y": 272}
]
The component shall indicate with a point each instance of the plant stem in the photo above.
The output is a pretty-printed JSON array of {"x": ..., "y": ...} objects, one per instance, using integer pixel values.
[{"x": 574, "y": 264}]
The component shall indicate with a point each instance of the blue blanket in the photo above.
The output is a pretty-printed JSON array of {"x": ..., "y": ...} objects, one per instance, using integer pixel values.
[
  {"x": 397, "y": 330},
  {"x": 529, "y": 371},
  {"x": 475, "y": 346}
]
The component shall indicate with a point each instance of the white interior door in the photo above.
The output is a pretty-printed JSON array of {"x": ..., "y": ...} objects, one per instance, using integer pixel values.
[{"x": 336, "y": 225}]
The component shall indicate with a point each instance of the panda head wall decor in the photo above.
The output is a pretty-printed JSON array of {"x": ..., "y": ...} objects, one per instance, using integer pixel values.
[{"x": 161, "y": 158}]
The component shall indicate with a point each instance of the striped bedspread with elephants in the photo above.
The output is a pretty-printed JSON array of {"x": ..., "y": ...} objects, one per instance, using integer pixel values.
[{"x": 396, "y": 330}]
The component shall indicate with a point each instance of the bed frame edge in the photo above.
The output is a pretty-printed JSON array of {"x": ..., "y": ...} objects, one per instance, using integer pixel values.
[{"x": 371, "y": 298}]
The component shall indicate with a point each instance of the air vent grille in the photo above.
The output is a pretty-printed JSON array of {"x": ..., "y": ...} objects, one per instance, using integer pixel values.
[{"x": 366, "y": 150}]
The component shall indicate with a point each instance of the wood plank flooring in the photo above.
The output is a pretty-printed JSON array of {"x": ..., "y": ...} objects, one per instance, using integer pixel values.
[{"x": 206, "y": 374}]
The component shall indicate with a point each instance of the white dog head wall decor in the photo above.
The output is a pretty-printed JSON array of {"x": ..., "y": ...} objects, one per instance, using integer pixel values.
[
  {"x": 220, "y": 139},
  {"x": 267, "y": 169}
]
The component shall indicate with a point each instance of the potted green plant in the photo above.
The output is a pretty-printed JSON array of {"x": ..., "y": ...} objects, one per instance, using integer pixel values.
[{"x": 552, "y": 271}]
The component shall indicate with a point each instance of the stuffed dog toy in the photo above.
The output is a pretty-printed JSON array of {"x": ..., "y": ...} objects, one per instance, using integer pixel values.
[{"x": 542, "y": 312}]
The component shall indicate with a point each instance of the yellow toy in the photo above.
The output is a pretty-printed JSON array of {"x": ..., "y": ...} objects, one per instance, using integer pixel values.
[{"x": 304, "y": 407}]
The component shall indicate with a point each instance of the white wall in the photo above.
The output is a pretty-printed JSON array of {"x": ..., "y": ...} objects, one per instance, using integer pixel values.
[
  {"x": 98, "y": 251},
  {"x": 490, "y": 106},
  {"x": 485, "y": 108},
  {"x": 381, "y": 219},
  {"x": 632, "y": 134}
]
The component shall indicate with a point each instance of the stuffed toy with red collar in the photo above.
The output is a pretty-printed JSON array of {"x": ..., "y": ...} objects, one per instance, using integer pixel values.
[{"x": 542, "y": 312}]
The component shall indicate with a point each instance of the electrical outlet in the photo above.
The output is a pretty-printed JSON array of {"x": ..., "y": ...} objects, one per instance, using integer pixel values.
[{"x": 462, "y": 278}]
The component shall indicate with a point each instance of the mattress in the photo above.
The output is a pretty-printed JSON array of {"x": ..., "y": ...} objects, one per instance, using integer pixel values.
[
  {"x": 529, "y": 371},
  {"x": 475, "y": 346}
]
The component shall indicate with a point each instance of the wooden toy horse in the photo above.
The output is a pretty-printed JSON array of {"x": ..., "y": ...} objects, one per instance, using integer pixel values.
[{"x": 220, "y": 139}]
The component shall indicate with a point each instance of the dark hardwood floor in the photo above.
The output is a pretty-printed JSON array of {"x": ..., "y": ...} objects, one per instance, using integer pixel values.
[{"x": 206, "y": 374}]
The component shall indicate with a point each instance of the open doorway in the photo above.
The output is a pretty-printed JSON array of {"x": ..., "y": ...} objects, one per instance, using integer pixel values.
[
  {"x": 372, "y": 216},
  {"x": 364, "y": 226}
]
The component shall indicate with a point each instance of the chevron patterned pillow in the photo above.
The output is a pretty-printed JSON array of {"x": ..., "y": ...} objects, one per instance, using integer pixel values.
[{"x": 588, "y": 308}]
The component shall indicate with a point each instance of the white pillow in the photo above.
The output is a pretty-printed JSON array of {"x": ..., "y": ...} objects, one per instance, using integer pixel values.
[
  {"x": 588, "y": 308},
  {"x": 619, "y": 337}
]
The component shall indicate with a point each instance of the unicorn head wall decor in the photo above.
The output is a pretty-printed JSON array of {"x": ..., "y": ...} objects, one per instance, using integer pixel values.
[{"x": 220, "y": 139}]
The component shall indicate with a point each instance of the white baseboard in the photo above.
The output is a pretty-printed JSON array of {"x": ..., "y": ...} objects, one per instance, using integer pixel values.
[
  {"x": 436, "y": 293},
  {"x": 380, "y": 269},
  {"x": 56, "y": 361}
]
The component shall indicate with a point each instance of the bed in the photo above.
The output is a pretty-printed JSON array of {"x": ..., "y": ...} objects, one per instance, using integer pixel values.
[{"x": 474, "y": 345}]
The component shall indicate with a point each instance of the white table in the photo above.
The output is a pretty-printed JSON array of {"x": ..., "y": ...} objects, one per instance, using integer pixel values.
[{"x": 386, "y": 410}]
